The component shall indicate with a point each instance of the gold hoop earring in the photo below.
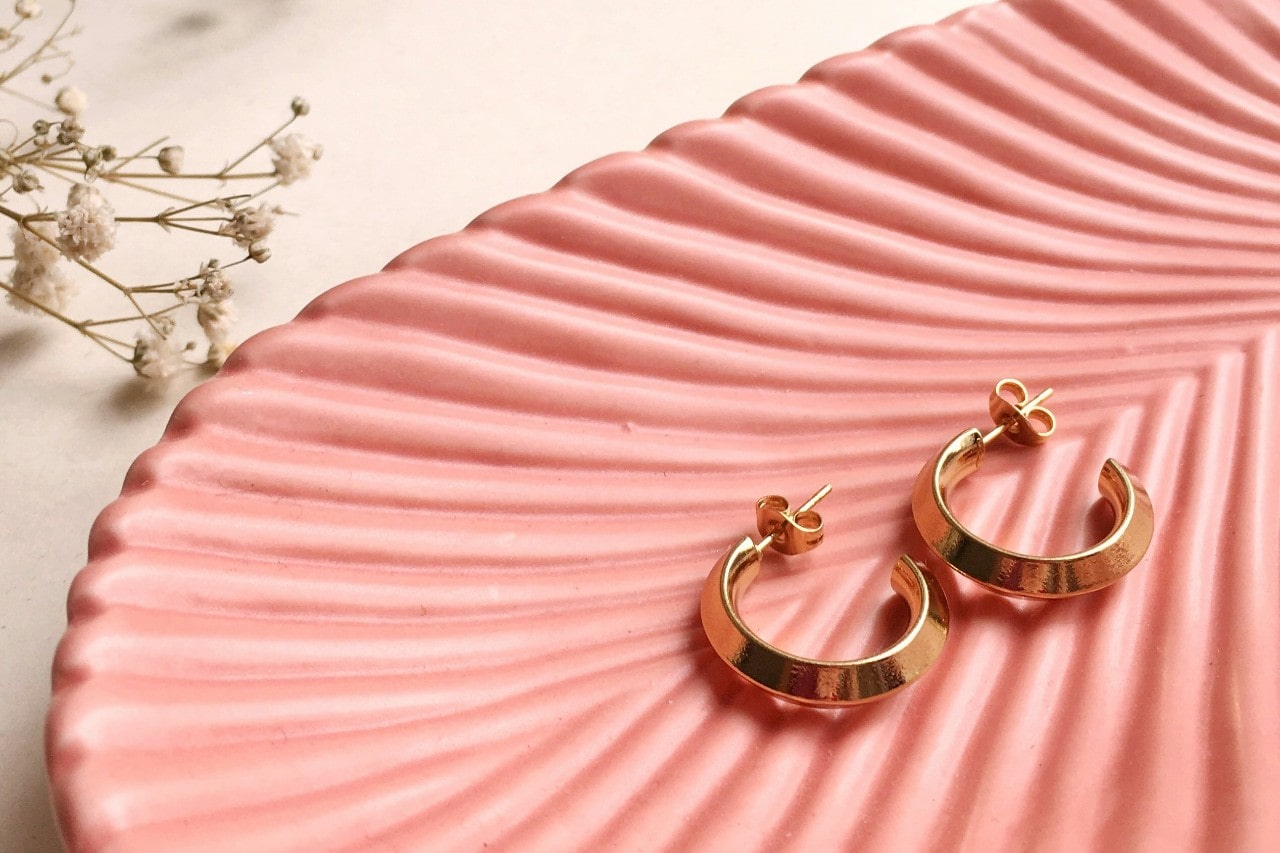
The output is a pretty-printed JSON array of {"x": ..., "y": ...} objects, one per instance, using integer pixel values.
[
  {"x": 802, "y": 680},
  {"x": 1009, "y": 572}
]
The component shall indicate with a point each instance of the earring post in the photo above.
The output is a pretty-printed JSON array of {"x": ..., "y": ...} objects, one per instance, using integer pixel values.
[
  {"x": 813, "y": 501},
  {"x": 808, "y": 505},
  {"x": 1025, "y": 410}
]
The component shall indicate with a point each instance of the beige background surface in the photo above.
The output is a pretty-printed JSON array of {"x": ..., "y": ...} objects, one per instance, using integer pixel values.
[{"x": 430, "y": 112}]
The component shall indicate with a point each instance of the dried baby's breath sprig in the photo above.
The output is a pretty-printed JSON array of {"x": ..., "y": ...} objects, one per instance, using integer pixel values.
[{"x": 57, "y": 242}]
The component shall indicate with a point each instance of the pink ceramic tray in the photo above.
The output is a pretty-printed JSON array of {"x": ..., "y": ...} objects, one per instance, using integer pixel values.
[{"x": 420, "y": 569}]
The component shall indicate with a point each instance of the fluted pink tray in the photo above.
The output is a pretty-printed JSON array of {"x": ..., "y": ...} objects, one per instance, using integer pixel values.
[{"x": 420, "y": 569}]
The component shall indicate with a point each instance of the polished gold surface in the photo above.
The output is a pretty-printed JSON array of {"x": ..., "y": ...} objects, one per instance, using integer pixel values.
[
  {"x": 1027, "y": 422},
  {"x": 805, "y": 680}
]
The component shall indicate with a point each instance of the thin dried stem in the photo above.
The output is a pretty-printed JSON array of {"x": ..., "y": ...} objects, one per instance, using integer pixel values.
[
  {"x": 208, "y": 176},
  {"x": 111, "y": 179},
  {"x": 38, "y": 55},
  {"x": 263, "y": 142},
  {"x": 103, "y": 341},
  {"x": 131, "y": 319},
  {"x": 23, "y": 96},
  {"x": 137, "y": 154}
]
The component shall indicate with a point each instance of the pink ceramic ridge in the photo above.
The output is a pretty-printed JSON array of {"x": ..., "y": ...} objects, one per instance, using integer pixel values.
[{"x": 420, "y": 569}]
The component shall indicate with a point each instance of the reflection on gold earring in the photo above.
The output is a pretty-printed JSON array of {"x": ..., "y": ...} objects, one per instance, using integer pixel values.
[
  {"x": 1027, "y": 422},
  {"x": 804, "y": 680}
]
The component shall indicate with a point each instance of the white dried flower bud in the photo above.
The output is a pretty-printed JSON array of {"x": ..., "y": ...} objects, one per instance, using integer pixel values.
[
  {"x": 170, "y": 159},
  {"x": 294, "y": 155},
  {"x": 70, "y": 130},
  {"x": 37, "y": 275},
  {"x": 40, "y": 126},
  {"x": 260, "y": 251},
  {"x": 25, "y": 182},
  {"x": 249, "y": 225},
  {"x": 47, "y": 286},
  {"x": 213, "y": 284},
  {"x": 71, "y": 101},
  {"x": 300, "y": 106},
  {"x": 87, "y": 228},
  {"x": 28, "y": 247},
  {"x": 155, "y": 357},
  {"x": 91, "y": 156},
  {"x": 27, "y": 9},
  {"x": 217, "y": 318}
]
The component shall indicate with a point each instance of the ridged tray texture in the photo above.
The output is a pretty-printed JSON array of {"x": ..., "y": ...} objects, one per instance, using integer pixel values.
[{"x": 420, "y": 569}]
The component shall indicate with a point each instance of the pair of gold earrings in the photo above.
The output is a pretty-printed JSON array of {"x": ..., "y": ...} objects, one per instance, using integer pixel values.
[{"x": 825, "y": 683}]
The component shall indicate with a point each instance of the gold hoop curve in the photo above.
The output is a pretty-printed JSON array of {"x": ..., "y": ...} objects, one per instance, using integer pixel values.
[
  {"x": 1010, "y": 572},
  {"x": 808, "y": 681}
]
